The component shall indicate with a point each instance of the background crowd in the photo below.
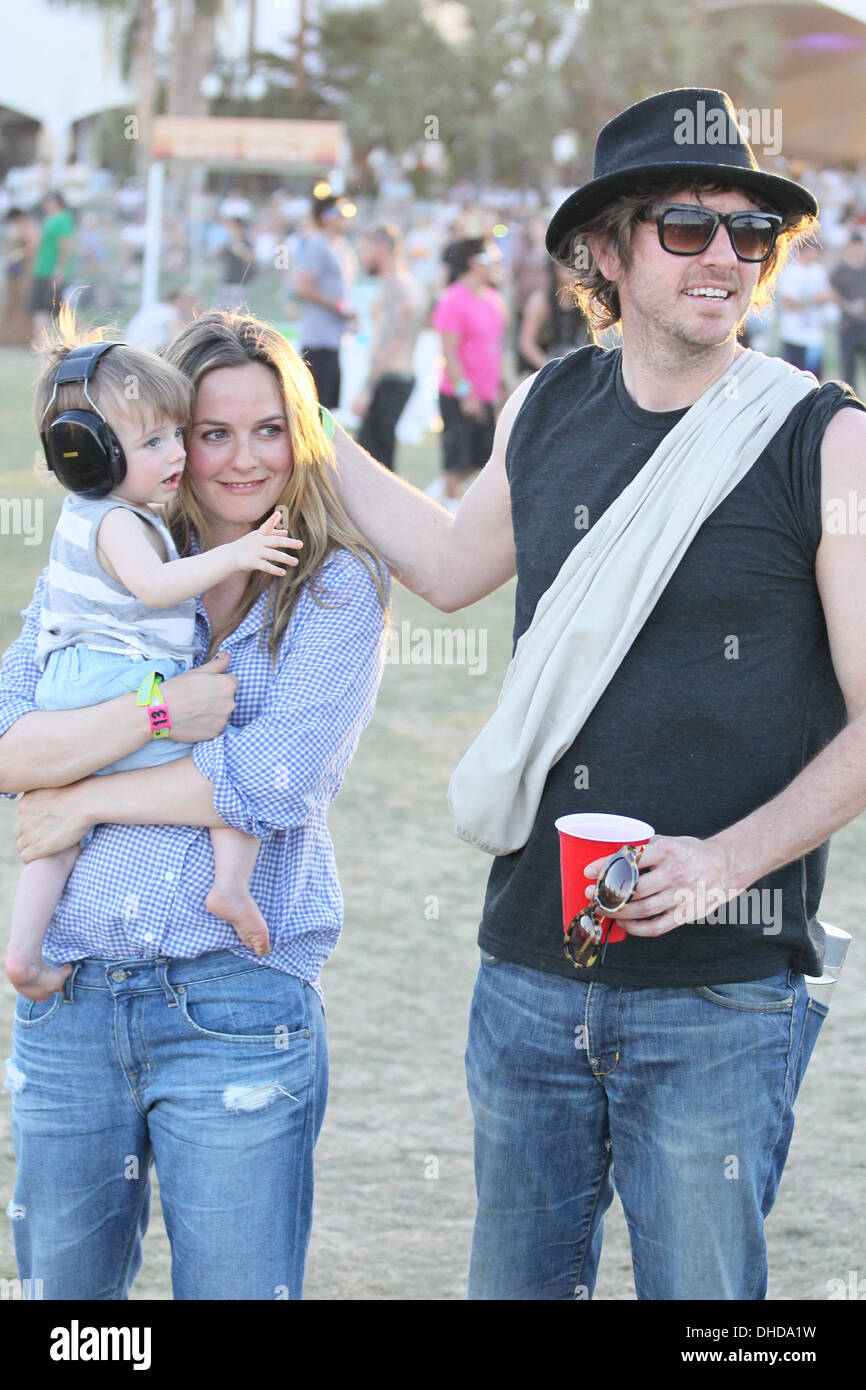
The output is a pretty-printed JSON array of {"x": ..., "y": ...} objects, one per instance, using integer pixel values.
[{"x": 413, "y": 316}]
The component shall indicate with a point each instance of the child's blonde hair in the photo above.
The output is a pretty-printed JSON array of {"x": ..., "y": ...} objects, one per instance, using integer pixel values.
[{"x": 127, "y": 380}]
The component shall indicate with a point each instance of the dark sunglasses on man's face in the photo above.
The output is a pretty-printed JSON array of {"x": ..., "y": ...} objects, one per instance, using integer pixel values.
[{"x": 686, "y": 230}]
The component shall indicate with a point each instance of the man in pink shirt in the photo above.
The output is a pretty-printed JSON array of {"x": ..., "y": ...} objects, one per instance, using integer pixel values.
[{"x": 470, "y": 317}]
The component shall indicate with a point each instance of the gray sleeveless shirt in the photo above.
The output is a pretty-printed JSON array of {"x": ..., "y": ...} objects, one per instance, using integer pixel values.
[
  {"x": 82, "y": 603},
  {"x": 725, "y": 695}
]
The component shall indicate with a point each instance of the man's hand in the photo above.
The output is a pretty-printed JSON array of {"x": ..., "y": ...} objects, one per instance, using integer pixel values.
[
  {"x": 361, "y": 404},
  {"x": 200, "y": 701},
  {"x": 50, "y": 819},
  {"x": 681, "y": 880}
]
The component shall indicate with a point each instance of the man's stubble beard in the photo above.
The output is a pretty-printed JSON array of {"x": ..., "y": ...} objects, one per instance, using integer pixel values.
[{"x": 668, "y": 342}]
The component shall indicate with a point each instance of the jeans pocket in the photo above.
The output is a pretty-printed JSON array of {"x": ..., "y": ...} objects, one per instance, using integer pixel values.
[
  {"x": 775, "y": 994},
  {"x": 816, "y": 1012},
  {"x": 32, "y": 1013},
  {"x": 263, "y": 1006}
]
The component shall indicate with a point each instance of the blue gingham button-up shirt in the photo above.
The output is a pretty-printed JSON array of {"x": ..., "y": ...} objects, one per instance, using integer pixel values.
[{"x": 138, "y": 891}]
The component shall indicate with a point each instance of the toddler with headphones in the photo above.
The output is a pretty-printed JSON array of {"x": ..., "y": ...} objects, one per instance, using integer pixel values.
[{"x": 118, "y": 604}]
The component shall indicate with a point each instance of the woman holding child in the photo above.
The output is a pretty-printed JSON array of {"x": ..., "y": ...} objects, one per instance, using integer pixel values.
[{"x": 181, "y": 1045}]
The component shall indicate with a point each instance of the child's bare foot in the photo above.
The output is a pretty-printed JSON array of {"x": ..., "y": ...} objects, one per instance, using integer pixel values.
[
  {"x": 233, "y": 903},
  {"x": 36, "y": 979}
]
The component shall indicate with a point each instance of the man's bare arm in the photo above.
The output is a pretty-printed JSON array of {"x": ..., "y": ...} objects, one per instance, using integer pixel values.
[
  {"x": 306, "y": 287},
  {"x": 450, "y": 561},
  {"x": 831, "y": 789}
]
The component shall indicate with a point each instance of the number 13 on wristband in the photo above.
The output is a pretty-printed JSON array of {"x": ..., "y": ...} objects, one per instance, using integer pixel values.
[{"x": 150, "y": 694}]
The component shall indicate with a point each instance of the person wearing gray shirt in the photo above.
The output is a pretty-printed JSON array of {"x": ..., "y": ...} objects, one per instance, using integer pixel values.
[{"x": 322, "y": 267}]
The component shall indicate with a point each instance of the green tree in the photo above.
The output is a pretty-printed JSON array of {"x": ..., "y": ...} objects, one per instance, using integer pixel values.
[
  {"x": 625, "y": 50},
  {"x": 523, "y": 70},
  {"x": 380, "y": 69}
]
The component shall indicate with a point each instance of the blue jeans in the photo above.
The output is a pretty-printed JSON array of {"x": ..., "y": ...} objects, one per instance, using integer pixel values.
[
  {"x": 681, "y": 1096},
  {"x": 216, "y": 1069}
]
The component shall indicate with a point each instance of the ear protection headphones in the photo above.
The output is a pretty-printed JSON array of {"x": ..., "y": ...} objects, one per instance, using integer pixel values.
[{"x": 80, "y": 446}]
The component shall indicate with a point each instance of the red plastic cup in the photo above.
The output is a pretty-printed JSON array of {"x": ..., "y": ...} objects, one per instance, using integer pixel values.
[{"x": 584, "y": 838}]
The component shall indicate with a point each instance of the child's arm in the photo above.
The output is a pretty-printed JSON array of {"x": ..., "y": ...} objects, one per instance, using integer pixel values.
[{"x": 124, "y": 543}]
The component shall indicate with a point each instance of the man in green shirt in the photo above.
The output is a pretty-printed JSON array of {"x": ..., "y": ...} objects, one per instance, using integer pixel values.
[{"x": 52, "y": 260}]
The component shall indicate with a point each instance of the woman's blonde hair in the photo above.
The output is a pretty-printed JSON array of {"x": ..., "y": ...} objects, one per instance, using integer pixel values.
[
  {"x": 312, "y": 511},
  {"x": 598, "y": 297},
  {"x": 127, "y": 380}
]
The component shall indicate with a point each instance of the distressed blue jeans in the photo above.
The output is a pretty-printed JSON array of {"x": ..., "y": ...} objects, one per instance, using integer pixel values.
[
  {"x": 680, "y": 1098},
  {"x": 215, "y": 1069}
]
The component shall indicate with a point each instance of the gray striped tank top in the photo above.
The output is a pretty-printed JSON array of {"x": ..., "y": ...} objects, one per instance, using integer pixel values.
[{"x": 82, "y": 603}]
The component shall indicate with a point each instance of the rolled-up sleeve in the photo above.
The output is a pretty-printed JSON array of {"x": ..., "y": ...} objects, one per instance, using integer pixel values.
[
  {"x": 272, "y": 773},
  {"x": 20, "y": 672}
]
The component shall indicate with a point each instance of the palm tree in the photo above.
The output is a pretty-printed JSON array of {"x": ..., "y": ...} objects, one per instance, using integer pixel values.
[
  {"x": 193, "y": 43},
  {"x": 193, "y": 37}
]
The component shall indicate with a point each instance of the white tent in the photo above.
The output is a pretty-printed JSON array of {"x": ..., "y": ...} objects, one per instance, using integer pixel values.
[{"x": 60, "y": 64}]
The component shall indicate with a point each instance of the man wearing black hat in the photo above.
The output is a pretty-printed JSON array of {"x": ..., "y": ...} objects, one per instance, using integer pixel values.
[{"x": 718, "y": 692}]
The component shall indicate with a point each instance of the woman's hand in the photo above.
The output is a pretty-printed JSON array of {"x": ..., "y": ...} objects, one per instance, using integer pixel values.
[
  {"x": 200, "y": 701},
  {"x": 51, "y": 819}
]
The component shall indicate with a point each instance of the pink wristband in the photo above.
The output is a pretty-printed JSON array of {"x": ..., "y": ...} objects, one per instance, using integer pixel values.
[
  {"x": 150, "y": 694},
  {"x": 159, "y": 720}
]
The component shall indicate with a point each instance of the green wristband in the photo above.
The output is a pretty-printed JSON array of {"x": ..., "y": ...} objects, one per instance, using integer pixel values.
[
  {"x": 150, "y": 690},
  {"x": 328, "y": 422}
]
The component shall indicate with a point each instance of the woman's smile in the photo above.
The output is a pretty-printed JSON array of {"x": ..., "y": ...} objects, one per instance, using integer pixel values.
[{"x": 240, "y": 423}]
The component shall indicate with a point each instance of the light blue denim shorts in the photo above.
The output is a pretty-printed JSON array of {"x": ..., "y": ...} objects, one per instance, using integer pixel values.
[{"x": 77, "y": 676}]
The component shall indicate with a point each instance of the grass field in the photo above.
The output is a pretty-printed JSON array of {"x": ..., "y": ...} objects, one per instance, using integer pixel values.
[{"x": 399, "y": 985}]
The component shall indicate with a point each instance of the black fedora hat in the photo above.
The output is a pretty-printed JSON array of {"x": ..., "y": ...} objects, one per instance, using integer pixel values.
[{"x": 687, "y": 132}]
